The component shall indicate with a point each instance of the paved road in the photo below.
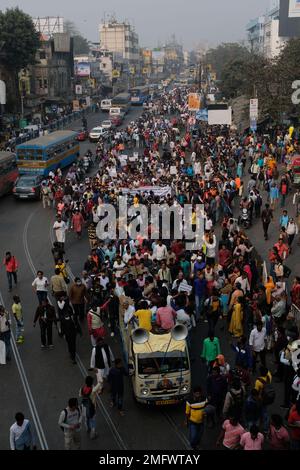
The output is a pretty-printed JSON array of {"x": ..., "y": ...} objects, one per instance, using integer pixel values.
[{"x": 48, "y": 377}]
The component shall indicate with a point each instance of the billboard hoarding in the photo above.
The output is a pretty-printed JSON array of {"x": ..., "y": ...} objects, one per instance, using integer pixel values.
[
  {"x": 82, "y": 69},
  {"x": 218, "y": 117},
  {"x": 294, "y": 9},
  {"x": 78, "y": 89},
  {"x": 289, "y": 19},
  {"x": 253, "y": 108},
  {"x": 2, "y": 92},
  {"x": 194, "y": 102},
  {"x": 253, "y": 124}
]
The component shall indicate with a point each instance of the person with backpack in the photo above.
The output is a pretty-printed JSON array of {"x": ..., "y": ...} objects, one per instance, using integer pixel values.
[
  {"x": 263, "y": 385},
  {"x": 70, "y": 423},
  {"x": 234, "y": 400},
  {"x": 88, "y": 394}
]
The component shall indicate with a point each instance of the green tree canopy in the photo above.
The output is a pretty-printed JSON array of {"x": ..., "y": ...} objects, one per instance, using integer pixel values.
[
  {"x": 19, "y": 38},
  {"x": 225, "y": 53}
]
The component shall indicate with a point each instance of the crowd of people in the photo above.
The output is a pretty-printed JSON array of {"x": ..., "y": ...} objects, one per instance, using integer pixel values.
[{"x": 221, "y": 290}]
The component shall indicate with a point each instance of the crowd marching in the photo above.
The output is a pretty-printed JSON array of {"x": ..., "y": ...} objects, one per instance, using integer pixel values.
[{"x": 221, "y": 289}]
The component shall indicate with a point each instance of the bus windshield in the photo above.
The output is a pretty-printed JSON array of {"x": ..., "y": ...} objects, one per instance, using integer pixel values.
[{"x": 161, "y": 363}]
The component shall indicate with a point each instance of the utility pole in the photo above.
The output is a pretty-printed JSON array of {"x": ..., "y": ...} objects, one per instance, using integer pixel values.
[{"x": 200, "y": 77}]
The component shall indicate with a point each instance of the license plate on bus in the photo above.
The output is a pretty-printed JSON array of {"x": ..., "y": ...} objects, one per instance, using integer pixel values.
[{"x": 166, "y": 402}]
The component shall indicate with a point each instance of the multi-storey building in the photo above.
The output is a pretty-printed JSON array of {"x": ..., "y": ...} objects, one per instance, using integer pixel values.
[
  {"x": 120, "y": 38},
  {"x": 263, "y": 33}
]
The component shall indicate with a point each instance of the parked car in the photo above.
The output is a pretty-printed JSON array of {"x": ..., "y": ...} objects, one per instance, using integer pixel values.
[
  {"x": 28, "y": 187},
  {"x": 96, "y": 133},
  {"x": 82, "y": 135}
]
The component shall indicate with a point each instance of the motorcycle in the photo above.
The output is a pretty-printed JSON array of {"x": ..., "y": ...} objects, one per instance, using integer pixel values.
[{"x": 244, "y": 219}]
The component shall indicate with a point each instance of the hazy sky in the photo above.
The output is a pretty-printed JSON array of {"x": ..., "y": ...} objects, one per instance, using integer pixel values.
[{"x": 192, "y": 21}]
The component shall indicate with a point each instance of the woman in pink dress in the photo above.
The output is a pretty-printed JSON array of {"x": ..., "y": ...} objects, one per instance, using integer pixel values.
[{"x": 77, "y": 223}]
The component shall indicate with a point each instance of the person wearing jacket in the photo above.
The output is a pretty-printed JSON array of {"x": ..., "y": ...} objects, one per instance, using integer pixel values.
[
  {"x": 253, "y": 409},
  {"x": 45, "y": 315},
  {"x": 70, "y": 328},
  {"x": 234, "y": 400},
  {"x": 78, "y": 296},
  {"x": 116, "y": 381},
  {"x": 11, "y": 266},
  {"x": 216, "y": 389},
  {"x": 101, "y": 361}
]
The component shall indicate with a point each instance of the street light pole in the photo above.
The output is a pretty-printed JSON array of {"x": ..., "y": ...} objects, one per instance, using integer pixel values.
[{"x": 22, "y": 105}]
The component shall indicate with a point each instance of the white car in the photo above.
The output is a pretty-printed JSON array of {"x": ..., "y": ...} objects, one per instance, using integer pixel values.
[
  {"x": 107, "y": 125},
  {"x": 105, "y": 105},
  {"x": 96, "y": 133}
]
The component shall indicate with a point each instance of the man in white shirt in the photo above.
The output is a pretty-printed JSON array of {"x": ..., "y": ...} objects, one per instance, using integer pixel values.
[
  {"x": 40, "y": 284},
  {"x": 244, "y": 282},
  {"x": 104, "y": 280},
  {"x": 180, "y": 284},
  {"x": 160, "y": 251},
  {"x": 128, "y": 313},
  {"x": 60, "y": 229},
  {"x": 257, "y": 342},
  {"x": 118, "y": 267},
  {"x": 22, "y": 435}
]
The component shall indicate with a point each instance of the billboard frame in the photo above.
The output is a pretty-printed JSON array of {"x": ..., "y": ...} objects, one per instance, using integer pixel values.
[{"x": 289, "y": 27}]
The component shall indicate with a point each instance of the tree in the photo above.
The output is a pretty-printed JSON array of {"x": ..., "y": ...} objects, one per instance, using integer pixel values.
[
  {"x": 81, "y": 44},
  {"x": 224, "y": 54},
  {"x": 19, "y": 37}
]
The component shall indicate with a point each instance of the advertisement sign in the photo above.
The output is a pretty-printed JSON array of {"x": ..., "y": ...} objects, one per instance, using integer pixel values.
[
  {"x": 76, "y": 105},
  {"x": 158, "y": 57},
  {"x": 218, "y": 117},
  {"x": 132, "y": 70},
  {"x": 78, "y": 89},
  {"x": 202, "y": 115},
  {"x": 194, "y": 101},
  {"x": 82, "y": 69},
  {"x": 2, "y": 92},
  {"x": 116, "y": 73},
  {"x": 289, "y": 19},
  {"x": 253, "y": 124},
  {"x": 253, "y": 108},
  {"x": 294, "y": 9},
  {"x": 213, "y": 76}
]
